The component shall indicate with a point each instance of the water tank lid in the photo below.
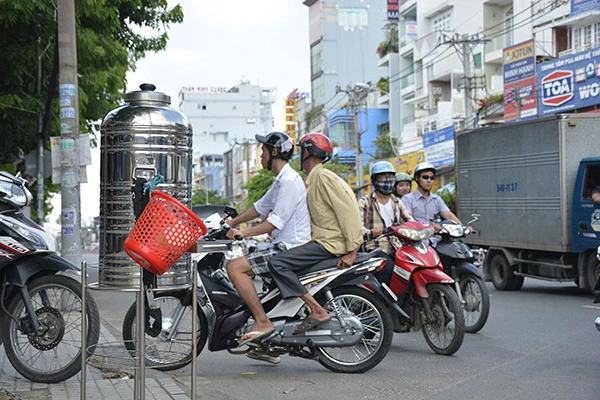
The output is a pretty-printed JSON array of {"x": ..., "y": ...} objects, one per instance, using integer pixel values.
[{"x": 147, "y": 95}]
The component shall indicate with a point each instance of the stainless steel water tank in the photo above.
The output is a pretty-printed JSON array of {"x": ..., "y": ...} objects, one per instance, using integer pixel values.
[{"x": 142, "y": 138}]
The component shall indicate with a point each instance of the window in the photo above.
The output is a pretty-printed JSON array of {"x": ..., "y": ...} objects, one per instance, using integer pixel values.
[
  {"x": 342, "y": 134},
  {"x": 315, "y": 59},
  {"x": 592, "y": 181},
  {"x": 317, "y": 92},
  {"x": 508, "y": 28},
  {"x": 201, "y": 106},
  {"x": 576, "y": 38},
  {"x": 587, "y": 36},
  {"x": 352, "y": 17},
  {"x": 443, "y": 22}
]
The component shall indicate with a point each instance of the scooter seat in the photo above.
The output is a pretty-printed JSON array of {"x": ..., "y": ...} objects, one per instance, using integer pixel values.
[{"x": 331, "y": 262}]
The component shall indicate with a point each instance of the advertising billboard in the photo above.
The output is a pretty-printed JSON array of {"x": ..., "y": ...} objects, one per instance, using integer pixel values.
[
  {"x": 518, "y": 67},
  {"x": 582, "y": 6},
  {"x": 439, "y": 146},
  {"x": 569, "y": 82}
]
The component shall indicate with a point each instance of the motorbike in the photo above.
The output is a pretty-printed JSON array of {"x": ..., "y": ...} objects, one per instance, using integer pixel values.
[
  {"x": 40, "y": 297},
  {"x": 424, "y": 291},
  {"x": 597, "y": 289},
  {"x": 457, "y": 259},
  {"x": 355, "y": 340}
]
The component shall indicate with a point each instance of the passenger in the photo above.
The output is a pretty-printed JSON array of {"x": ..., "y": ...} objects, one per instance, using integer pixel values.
[
  {"x": 380, "y": 210},
  {"x": 336, "y": 228},
  {"x": 403, "y": 184}
]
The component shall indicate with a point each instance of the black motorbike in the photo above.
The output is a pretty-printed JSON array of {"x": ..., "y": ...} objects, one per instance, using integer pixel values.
[
  {"x": 356, "y": 339},
  {"x": 457, "y": 259},
  {"x": 40, "y": 297}
]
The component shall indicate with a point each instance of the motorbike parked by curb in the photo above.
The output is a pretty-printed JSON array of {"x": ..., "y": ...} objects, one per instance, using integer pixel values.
[
  {"x": 457, "y": 259},
  {"x": 40, "y": 297},
  {"x": 355, "y": 340},
  {"x": 424, "y": 291}
]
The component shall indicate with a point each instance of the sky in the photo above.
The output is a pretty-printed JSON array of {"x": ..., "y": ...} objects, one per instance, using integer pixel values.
[{"x": 219, "y": 44}]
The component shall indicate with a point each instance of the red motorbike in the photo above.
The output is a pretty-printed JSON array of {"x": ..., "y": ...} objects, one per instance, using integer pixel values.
[{"x": 424, "y": 291}]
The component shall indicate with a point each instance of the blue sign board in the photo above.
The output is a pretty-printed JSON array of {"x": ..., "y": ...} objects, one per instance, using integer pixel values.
[
  {"x": 439, "y": 147},
  {"x": 581, "y": 6},
  {"x": 569, "y": 82}
]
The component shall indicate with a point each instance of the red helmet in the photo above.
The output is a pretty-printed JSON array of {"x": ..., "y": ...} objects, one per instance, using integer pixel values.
[{"x": 318, "y": 145}]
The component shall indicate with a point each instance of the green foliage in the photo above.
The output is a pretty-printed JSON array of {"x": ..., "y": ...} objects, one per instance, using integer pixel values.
[
  {"x": 383, "y": 145},
  {"x": 449, "y": 197},
  {"x": 257, "y": 186},
  {"x": 107, "y": 47},
  {"x": 312, "y": 115},
  {"x": 383, "y": 84},
  {"x": 391, "y": 43},
  {"x": 486, "y": 103},
  {"x": 200, "y": 197}
]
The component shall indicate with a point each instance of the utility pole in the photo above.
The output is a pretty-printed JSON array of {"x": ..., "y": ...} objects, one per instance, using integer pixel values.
[
  {"x": 464, "y": 46},
  {"x": 357, "y": 95},
  {"x": 69, "y": 133},
  {"x": 518, "y": 102}
]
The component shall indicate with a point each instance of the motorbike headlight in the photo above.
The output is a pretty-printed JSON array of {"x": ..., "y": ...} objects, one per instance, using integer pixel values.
[
  {"x": 415, "y": 235},
  {"x": 14, "y": 194},
  {"x": 36, "y": 240}
]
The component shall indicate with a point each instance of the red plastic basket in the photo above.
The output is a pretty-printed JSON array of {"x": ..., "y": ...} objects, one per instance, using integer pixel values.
[{"x": 163, "y": 233}]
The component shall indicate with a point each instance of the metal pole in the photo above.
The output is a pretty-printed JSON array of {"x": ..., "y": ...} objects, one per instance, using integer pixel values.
[
  {"x": 139, "y": 391},
  {"x": 518, "y": 102},
  {"x": 468, "y": 95},
  {"x": 194, "y": 332},
  {"x": 40, "y": 163},
  {"x": 83, "y": 330},
  {"x": 69, "y": 133}
]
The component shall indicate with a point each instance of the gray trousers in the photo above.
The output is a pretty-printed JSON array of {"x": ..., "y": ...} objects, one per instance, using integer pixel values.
[{"x": 283, "y": 267}]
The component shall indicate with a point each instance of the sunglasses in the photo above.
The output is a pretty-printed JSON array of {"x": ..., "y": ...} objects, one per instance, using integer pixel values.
[{"x": 428, "y": 177}]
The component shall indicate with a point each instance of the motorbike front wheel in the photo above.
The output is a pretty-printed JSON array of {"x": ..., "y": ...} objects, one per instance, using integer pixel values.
[
  {"x": 377, "y": 331},
  {"x": 477, "y": 302},
  {"x": 54, "y": 354},
  {"x": 171, "y": 349},
  {"x": 446, "y": 331}
]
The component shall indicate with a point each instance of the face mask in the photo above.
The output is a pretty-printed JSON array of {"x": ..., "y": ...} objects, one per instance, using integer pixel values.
[{"x": 384, "y": 187}]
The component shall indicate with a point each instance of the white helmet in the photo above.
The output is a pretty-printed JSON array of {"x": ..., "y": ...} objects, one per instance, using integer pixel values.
[{"x": 424, "y": 166}]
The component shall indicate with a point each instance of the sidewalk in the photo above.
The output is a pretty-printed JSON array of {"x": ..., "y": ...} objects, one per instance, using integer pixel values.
[{"x": 158, "y": 386}]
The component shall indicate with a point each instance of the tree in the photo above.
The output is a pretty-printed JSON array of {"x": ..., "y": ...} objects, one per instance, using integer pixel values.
[
  {"x": 383, "y": 143},
  {"x": 200, "y": 197},
  {"x": 257, "y": 186},
  {"x": 107, "y": 47}
]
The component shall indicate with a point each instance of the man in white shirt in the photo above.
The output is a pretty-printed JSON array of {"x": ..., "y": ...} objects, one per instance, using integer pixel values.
[{"x": 288, "y": 223}]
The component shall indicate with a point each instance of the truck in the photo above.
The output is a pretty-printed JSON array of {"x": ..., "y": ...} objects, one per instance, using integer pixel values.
[{"x": 531, "y": 183}]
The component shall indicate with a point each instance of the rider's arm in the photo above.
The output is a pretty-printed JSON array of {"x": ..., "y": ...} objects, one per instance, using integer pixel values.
[{"x": 244, "y": 217}]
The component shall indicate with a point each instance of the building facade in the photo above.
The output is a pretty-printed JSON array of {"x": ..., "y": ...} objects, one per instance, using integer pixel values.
[
  {"x": 343, "y": 37},
  {"x": 222, "y": 118}
]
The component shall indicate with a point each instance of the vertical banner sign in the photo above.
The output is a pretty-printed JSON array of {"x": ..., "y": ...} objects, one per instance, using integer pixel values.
[
  {"x": 290, "y": 119},
  {"x": 518, "y": 66},
  {"x": 411, "y": 29},
  {"x": 392, "y": 10},
  {"x": 568, "y": 83}
]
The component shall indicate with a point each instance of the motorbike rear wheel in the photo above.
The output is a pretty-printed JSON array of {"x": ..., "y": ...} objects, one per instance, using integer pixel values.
[
  {"x": 55, "y": 355},
  {"x": 477, "y": 302},
  {"x": 446, "y": 332},
  {"x": 377, "y": 336},
  {"x": 164, "y": 353}
]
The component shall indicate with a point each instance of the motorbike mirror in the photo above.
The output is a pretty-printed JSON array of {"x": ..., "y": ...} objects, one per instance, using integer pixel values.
[{"x": 231, "y": 212}]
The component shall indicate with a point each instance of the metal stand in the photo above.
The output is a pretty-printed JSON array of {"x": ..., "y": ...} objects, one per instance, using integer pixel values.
[{"x": 140, "y": 345}]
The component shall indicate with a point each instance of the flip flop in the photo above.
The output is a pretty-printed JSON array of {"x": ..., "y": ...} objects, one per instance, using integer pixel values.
[
  {"x": 309, "y": 323},
  {"x": 262, "y": 355},
  {"x": 257, "y": 336}
]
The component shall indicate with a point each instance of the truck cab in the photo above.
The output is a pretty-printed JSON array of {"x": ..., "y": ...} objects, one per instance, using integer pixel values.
[{"x": 586, "y": 218}]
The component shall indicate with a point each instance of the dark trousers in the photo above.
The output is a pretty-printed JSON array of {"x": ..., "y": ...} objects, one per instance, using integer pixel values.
[
  {"x": 385, "y": 275},
  {"x": 283, "y": 267}
]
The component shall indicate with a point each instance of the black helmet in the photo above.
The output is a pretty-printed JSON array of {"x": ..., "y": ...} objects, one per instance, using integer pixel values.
[{"x": 280, "y": 141}]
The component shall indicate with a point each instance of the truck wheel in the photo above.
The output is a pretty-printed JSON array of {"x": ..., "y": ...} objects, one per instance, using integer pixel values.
[
  {"x": 593, "y": 272},
  {"x": 502, "y": 274}
]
